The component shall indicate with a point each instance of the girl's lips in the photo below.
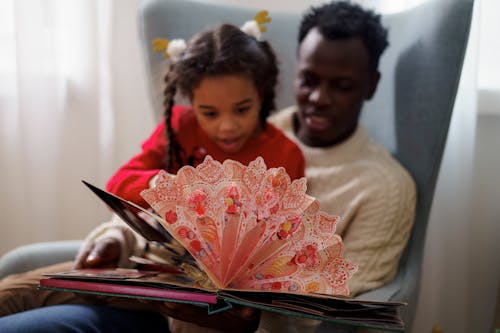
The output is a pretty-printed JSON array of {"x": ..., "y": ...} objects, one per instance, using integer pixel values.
[
  {"x": 229, "y": 145},
  {"x": 317, "y": 123}
]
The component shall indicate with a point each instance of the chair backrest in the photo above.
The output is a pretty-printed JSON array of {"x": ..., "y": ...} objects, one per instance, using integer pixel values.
[
  {"x": 410, "y": 113},
  {"x": 415, "y": 102}
]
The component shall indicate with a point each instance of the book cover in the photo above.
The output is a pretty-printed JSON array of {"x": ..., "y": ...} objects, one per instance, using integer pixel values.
[{"x": 158, "y": 286}]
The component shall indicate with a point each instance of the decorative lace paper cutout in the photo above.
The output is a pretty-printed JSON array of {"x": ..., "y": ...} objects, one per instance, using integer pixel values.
[{"x": 251, "y": 228}]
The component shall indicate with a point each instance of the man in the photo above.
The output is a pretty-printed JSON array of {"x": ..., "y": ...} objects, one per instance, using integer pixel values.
[
  {"x": 351, "y": 176},
  {"x": 339, "y": 49}
]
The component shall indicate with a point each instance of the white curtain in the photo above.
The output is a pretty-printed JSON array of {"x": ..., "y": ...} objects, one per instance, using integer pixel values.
[{"x": 64, "y": 116}]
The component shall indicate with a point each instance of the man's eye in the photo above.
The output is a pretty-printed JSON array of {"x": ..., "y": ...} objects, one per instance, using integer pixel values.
[
  {"x": 308, "y": 81},
  {"x": 345, "y": 85}
]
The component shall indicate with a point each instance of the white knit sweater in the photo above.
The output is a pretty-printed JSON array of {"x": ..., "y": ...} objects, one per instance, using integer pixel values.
[{"x": 374, "y": 195}]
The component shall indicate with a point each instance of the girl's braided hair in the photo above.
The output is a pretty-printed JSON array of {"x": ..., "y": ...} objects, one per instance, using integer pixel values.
[{"x": 223, "y": 50}]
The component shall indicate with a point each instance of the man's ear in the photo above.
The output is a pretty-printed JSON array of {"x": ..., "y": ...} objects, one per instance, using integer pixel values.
[{"x": 372, "y": 87}]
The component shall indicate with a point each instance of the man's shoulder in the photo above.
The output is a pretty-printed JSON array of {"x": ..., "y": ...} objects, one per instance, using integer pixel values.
[
  {"x": 384, "y": 166},
  {"x": 370, "y": 161}
]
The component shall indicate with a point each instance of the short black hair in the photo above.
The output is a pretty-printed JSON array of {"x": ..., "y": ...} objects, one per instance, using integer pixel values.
[{"x": 343, "y": 19}]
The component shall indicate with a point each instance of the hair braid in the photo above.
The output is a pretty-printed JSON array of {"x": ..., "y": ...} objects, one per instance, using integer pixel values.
[
  {"x": 268, "y": 89},
  {"x": 173, "y": 147}
]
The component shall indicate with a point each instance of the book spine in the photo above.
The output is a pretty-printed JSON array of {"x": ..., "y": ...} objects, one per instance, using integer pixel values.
[{"x": 140, "y": 291}]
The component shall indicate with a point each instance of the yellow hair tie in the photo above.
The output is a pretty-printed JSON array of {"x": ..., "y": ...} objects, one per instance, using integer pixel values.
[
  {"x": 171, "y": 49},
  {"x": 256, "y": 26},
  {"x": 261, "y": 18}
]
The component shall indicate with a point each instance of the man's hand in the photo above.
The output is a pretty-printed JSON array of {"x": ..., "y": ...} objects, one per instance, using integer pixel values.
[
  {"x": 237, "y": 319},
  {"x": 104, "y": 253}
]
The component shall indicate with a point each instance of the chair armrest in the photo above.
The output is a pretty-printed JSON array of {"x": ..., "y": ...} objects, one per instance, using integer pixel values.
[
  {"x": 403, "y": 288},
  {"x": 386, "y": 292},
  {"x": 28, "y": 257}
]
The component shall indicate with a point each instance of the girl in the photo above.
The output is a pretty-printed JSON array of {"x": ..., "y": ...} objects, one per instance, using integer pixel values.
[{"x": 229, "y": 77}]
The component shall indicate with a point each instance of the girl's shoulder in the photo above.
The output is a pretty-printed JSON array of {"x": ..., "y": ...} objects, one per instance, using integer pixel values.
[
  {"x": 272, "y": 135},
  {"x": 278, "y": 149},
  {"x": 275, "y": 140}
]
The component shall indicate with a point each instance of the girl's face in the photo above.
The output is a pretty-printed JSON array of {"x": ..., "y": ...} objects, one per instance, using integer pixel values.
[{"x": 227, "y": 109}]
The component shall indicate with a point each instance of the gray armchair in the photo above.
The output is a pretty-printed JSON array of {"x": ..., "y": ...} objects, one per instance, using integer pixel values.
[{"x": 410, "y": 114}]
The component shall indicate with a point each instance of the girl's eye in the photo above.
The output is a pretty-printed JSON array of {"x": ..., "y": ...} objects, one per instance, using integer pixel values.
[
  {"x": 210, "y": 114},
  {"x": 243, "y": 110}
]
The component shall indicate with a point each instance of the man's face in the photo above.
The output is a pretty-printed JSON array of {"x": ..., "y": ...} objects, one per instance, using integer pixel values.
[{"x": 333, "y": 80}]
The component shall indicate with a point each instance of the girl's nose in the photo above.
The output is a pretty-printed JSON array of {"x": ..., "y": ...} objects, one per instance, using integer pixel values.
[{"x": 228, "y": 124}]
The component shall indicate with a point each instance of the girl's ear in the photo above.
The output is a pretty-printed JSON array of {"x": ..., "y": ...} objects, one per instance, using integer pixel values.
[{"x": 372, "y": 84}]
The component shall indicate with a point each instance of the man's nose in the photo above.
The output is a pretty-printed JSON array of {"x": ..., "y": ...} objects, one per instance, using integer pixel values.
[{"x": 320, "y": 95}]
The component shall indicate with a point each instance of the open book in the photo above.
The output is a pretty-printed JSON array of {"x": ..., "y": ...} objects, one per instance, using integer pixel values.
[{"x": 252, "y": 237}]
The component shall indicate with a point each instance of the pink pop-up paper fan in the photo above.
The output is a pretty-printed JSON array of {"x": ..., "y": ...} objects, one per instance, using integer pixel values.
[{"x": 251, "y": 228}]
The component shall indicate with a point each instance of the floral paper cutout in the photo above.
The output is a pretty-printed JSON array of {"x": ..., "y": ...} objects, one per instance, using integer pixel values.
[{"x": 252, "y": 228}]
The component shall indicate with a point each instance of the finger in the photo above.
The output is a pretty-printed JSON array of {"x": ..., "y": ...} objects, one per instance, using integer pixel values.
[
  {"x": 245, "y": 312},
  {"x": 105, "y": 253},
  {"x": 231, "y": 320},
  {"x": 93, "y": 259},
  {"x": 182, "y": 311},
  {"x": 80, "y": 259}
]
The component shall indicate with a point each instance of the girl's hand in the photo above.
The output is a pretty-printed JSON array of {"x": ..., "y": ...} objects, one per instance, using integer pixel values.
[{"x": 104, "y": 253}]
